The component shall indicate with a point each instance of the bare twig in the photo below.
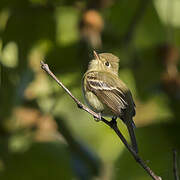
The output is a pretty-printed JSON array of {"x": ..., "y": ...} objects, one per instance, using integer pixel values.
[
  {"x": 112, "y": 124},
  {"x": 175, "y": 168}
]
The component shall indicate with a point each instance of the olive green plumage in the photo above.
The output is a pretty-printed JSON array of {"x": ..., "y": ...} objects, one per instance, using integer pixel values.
[{"x": 106, "y": 94}]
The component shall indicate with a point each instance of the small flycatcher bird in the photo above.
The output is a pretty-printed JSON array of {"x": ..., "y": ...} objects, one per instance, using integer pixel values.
[{"x": 106, "y": 94}]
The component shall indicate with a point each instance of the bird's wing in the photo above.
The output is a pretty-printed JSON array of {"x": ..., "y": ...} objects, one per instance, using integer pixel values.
[{"x": 108, "y": 90}]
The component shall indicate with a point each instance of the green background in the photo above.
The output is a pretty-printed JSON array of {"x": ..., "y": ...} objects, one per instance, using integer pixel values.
[{"x": 43, "y": 135}]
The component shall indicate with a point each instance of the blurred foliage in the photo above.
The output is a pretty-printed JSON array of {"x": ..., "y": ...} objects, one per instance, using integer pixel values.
[{"x": 43, "y": 135}]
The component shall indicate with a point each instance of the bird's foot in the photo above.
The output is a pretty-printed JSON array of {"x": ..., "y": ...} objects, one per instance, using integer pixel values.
[{"x": 99, "y": 118}]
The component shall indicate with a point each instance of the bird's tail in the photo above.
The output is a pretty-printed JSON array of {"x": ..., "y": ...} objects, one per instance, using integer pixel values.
[{"x": 130, "y": 127}]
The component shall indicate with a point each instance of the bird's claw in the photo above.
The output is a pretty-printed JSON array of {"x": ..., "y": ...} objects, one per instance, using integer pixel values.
[{"x": 97, "y": 119}]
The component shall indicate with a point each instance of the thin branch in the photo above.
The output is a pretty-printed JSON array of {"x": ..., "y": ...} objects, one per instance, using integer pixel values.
[
  {"x": 112, "y": 124},
  {"x": 175, "y": 168}
]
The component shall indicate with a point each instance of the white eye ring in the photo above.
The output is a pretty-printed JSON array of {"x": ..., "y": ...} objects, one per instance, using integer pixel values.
[{"x": 107, "y": 64}]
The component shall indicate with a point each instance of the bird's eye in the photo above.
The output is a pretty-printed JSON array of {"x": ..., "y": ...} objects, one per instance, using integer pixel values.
[{"x": 107, "y": 63}]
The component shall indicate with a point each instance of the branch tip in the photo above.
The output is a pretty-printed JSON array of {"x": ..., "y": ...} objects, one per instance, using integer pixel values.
[
  {"x": 44, "y": 66},
  {"x": 41, "y": 62}
]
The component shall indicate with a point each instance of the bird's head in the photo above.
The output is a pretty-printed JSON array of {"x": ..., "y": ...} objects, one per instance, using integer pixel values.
[{"x": 104, "y": 62}]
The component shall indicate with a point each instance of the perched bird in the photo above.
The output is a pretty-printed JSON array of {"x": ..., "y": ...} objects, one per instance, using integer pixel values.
[{"x": 106, "y": 94}]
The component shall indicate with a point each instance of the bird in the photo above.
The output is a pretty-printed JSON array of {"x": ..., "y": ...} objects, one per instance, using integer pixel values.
[{"x": 106, "y": 94}]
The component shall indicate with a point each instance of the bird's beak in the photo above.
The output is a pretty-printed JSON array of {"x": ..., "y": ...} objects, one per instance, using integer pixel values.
[{"x": 96, "y": 55}]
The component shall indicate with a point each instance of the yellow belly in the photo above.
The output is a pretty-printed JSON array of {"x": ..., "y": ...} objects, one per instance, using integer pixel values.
[{"x": 94, "y": 103}]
